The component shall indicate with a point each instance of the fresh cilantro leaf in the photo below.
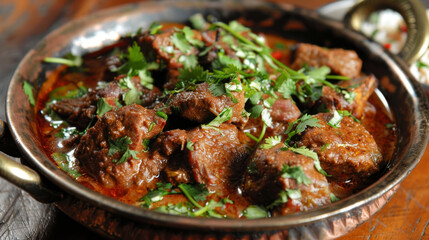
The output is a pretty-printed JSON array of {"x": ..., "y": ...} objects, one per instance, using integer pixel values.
[
  {"x": 68, "y": 91},
  {"x": 256, "y": 111},
  {"x": 163, "y": 189},
  {"x": 66, "y": 164},
  {"x": 296, "y": 173},
  {"x": 197, "y": 21},
  {"x": 271, "y": 142},
  {"x": 102, "y": 107},
  {"x": 293, "y": 193},
  {"x": 345, "y": 113},
  {"x": 421, "y": 64},
  {"x": 306, "y": 121},
  {"x": 189, "y": 35},
  {"x": 335, "y": 120},
  {"x": 145, "y": 144},
  {"x": 69, "y": 60},
  {"x": 121, "y": 145},
  {"x": 176, "y": 209},
  {"x": 190, "y": 146},
  {"x": 28, "y": 90},
  {"x": 189, "y": 61},
  {"x": 162, "y": 114},
  {"x": 133, "y": 94},
  {"x": 189, "y": 77},
  {"x": 217, "y": 89},
  {"x": 180, "y": 42},
  {"x": 255, "y": 98},
  {"x": 334, "y": 198},
  {"x": 224, "y": 116},
  {"x": 223, "y": 61},
  {"x": 66, "y": 132},
  {"x": 268, "y": 103},
  {"x": 266, "y": 117},
  {"x": 324, "y": 147},
  {"x": 283, "y": 198},
  {"x": 194, "y": 193},
  {"x": 255, "y": 211},
  {"x": 155, "y": 28},
  {"x": 311, "y": 154}
]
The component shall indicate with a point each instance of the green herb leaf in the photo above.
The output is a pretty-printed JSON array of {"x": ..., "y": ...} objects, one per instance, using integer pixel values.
[
  {"x": 133, "y": 94},
  {"x": 28, "y": 90},
  {"x": 189, "y": 61},
  {"x": 68, "y": 166},
  {"x": 190, "y": 146},
  {"x": 335, "y": 120},
  {"x": 189, "y": 35},
  {"x": 224, "y": 116},
  {"x": 296, "y": 173},
  {"x": 102, "y": 107},
  {"x": 121, "y": 145},
  {"x": 155, "y": 28},
  {"x": 180, "y": 42},
  {"x": 256, "y": 111},
  {"x": 254, "y": 211},
  {"x": 162, "y": 114},
  {"x": 334, "y": 198},
  {"x": 69, "y": 60},
  {"x": 163, "y": 189},
  {"x": 271, "y": 142},
  {"x": 311, "y": 154},
  {"x": 197, "y": 21},
  {"x": 293, "y": 193}
]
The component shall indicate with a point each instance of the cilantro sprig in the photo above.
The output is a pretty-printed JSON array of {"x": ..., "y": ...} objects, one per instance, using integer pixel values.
[{"x": 121, "y": 145}]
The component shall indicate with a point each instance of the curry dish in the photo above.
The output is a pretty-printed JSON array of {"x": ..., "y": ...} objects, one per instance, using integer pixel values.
[{"x": 215, "y": 120}]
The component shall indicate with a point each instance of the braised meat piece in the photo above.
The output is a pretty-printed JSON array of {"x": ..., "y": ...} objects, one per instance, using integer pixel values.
[
  {"x": 202, "y": 106},
  {"x": 340, "y": 61},
  {"x": 211, "y": 156},
  {"x": 263, "y": 181},
  {"x": 363, "y": 87},
  {"x": 217, "y": 155},
  {"x": 102, "y": 149},
  {"x": 348, "y": 152},
  {"x": 79, "y": 112}
]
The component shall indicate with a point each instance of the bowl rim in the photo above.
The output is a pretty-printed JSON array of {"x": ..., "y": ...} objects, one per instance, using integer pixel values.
[{"x": 389, "y": 180}]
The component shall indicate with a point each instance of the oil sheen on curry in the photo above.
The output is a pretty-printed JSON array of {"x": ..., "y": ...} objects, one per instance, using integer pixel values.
[{"x": 214, "y": 120}]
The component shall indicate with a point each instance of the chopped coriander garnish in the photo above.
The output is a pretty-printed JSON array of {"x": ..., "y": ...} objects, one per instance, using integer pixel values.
[
  {"x": 324, "y": 147},
  {"x": 133, "y": 94},
  {"x": 224, "y": 116},
  {"x": 69, "y": 60},
  {"x": 155, "y": 28},
  {"x": 334, "y": 198},
  {"x": 335, "y": 120},
  {"x": 255, "y": 211},
  {"x": 180, "y": 42},
  {"x": 162, "y": 114},
  {"x": 64, "y": 162},
  {"x": 102, "y": 107},
  {"x": 121, "y": 145},
  {"x": 190, "y": 145},
  {"x": 296, "y": 173},
  {"x": 163, "y": 189},
  {"x": 198, "y": 21},
  {"x": 28, "y": 90},
  {"x": 271, "y": 142},
  {"x": 311, "y": 154}
]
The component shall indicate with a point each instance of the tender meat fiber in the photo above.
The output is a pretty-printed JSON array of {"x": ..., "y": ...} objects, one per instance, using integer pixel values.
[
  {"x": 131, "y": 121},
  {"x": 79, "y": 112},
  {"x": 218, "y": 155},
  {"x": 348, "y": 153},
  {"x": 263, "y": 180},
  {"x": 202, "y": 106},
  {"x": 363, "y": 87},
  {"x": 214, "y": 158},
  {"x": 340, "y": 61}
]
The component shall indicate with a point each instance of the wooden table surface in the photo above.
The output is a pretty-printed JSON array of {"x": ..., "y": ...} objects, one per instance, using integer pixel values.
[{"x": 24, "y": 22}]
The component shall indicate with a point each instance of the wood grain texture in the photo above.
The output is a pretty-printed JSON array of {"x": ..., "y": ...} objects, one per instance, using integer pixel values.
[{"x": 24, "y": 22}]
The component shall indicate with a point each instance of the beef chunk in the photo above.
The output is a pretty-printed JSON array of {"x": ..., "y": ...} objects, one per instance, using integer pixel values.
[
  {"x": 202, "y": 106},
  {"x": 263, "y": 181},
  {"x": 348, "y": 153},
  {"x": 77, "y": 112},
  {"x": 340, "y": 61},
  {"x": 333, "y": 100},
  {"x": 218, "y": 155},
  {"x": 214, "y": 158},
  {"x": 132, "y": 122}
]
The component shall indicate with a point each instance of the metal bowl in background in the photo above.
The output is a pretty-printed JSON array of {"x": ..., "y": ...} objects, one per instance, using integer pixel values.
[{"x": 118, "y": 220}]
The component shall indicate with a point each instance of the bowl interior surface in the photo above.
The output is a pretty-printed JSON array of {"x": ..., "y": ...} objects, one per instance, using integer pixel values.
[{"x": 403, "y": 94}]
